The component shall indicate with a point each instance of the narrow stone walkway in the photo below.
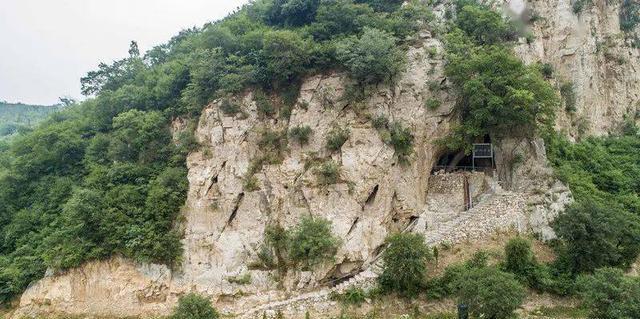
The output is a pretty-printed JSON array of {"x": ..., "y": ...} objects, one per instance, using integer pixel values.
[{"x": 497, "y": 212}]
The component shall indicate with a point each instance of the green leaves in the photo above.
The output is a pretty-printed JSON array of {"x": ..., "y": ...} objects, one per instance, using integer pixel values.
[
  {"x": 499, "y": 95},
  {"x": 371, "y": 58},
  {"x": 405, "y": 264},
  {"x": 490, "y": 293},
  {"x": 610, "y": 295},
  {"x": 312, "y": 242},
  {"x": 193, "y": 306},
  {"x": 595, "y": 236}
]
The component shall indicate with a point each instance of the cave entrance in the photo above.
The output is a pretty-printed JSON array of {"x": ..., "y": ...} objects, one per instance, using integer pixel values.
[{"x": 482, "y": 158}]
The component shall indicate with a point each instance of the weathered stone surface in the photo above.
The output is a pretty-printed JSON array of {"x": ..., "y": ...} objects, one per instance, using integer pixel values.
[
  {"x": 590, "y": 51},
  {"x": 375, "y": 195}
]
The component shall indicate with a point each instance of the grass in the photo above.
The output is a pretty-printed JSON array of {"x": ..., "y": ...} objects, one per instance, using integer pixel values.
[{"x": 561, "y": 312}]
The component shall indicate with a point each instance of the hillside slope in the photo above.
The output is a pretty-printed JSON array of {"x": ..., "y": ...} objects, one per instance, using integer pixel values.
[{"x": 14, "y": 116}]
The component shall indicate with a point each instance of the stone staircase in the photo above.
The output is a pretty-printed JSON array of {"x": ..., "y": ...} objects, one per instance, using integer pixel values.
[
  {"x": 363, "y": 279},
  {"x": 498, "y": 211}
]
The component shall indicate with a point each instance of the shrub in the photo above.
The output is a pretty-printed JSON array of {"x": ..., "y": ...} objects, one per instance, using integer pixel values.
[
  {"x": 434, "y": 86},
  {"x": 547, "y": 70},
  {"x": 521, "y": 261},
  {"x": 431, "y": 51},
  {"x": 608, "y": 294},
  {"x": 300, "y": 134},
  {"x": 594, "y": 236},
  {"x": 273, "y": 145},
  {"x": 286, "y": 55},
  {"x": 292, "y": 12},
  {"x": 432, "y": 104},
  {"x": 336, "y": 138},
  {"x": 485, "y": 26},
  {"x": 311, "y": 242},
  {"x": 351, "y": 296},
  {"x": 193, "y": 306},
  {"x": 579, "y": 5},
  {"x": 243, "y": 279},
  {"x": 629, "y": 15},
  {"x": 401, "y": 140},
  {"x": 380, "y": 122},
  {"x": 264, "y": 105},
  {"x": 405, "y": 266},
  {"x": 372, "y": 58},
  {"x": 490, "y": 293},
  {"x": 447, "y": 284},
  {"x": 251, "y": 184},
  {"x": 519, "y": 258},
  {"x": 228, "y": 107},
  {"x": 328, "y": 173},
  {"x": 569, "y": 96},
  {"x": 383, "y": 5}
]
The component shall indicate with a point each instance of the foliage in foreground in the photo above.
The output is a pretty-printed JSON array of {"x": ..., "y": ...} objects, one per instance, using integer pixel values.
[
  {"x": 405, "y": 264},
  {"x": 603, "y": 226},
  {"x": 609, "y": 294},
  {"x": 490, "y": 293}
]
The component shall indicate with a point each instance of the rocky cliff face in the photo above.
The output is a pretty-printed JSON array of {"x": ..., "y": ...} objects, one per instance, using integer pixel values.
[
  {"x": 590, "y": 51},
  {"x": 376, "y": 194}
]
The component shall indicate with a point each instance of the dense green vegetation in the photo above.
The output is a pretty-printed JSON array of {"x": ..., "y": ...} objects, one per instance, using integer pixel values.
[
  {"x": 107, "y": 177},
  {"x": 19, "y": 117},
  {"x": 609, "y": 294},
  {"x": 498, "y": 94}
]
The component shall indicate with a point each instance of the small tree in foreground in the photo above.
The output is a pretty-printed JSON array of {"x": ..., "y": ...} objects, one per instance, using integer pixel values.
[
  {"x": 609, "y": 294},
  {"x": 521, "y": 261},
  {"x": 404, "y": 264},
  {"x": 193, "y": 306},
  {"x": 490, "y": 293}
]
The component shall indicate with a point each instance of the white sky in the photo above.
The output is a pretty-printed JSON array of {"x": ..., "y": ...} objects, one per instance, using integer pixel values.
[{"x": 47, "y": 45}]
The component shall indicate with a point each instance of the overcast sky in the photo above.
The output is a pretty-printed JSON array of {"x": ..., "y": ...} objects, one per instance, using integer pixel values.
[{"x": 47, "y": 45}]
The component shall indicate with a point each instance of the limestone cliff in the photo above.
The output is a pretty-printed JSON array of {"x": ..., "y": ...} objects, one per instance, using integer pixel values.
[
  {"x": 590, "y": 51},
  {"x": 376, "y": 194}
]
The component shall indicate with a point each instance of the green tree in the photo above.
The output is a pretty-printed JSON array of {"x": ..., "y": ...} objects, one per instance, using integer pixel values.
[
  {"x": 286, "y": 55},
  {"x": 519, "y": 258},
  {"x": 139, "y": 137},
  {"x": 383, "y": 5},
  {"x": 338, "y": 17},
  {"x": 498, "y": 94},
  {"x": 594, "y": 236},
  {"x": 490, "y": 293},
  {"x": 312, "y": 242},
  {"x": 292, "y": 12},
  {"x": 608, "y": 294},
  {"x": 373, "y": 57},
  {"x": 405, "y": 264},
  {"x": 114, "y": 76},
  {"x": 485, "y": 26},
  {"x": 193, "y": 306}
]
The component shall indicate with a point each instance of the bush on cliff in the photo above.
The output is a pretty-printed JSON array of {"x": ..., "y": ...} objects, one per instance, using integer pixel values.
[{"x": 194, "y": 306}]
